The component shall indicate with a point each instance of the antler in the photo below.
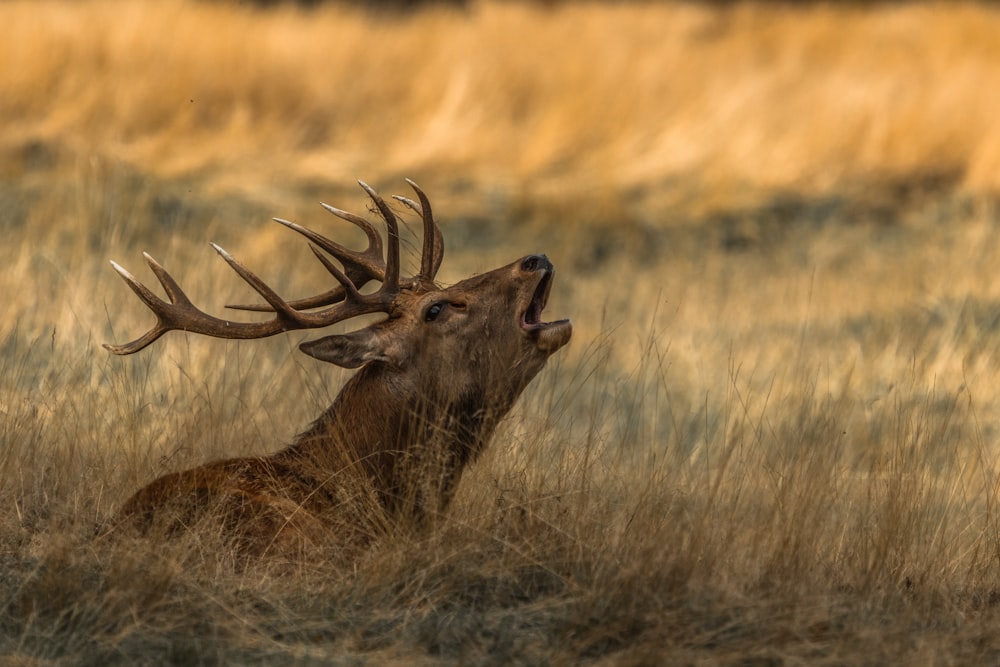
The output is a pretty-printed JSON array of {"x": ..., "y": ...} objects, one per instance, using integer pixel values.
[
  {"x": 362, "y": 267},
  {"x": 347, "y": 301},
  {"x": 433, "y": 252}
]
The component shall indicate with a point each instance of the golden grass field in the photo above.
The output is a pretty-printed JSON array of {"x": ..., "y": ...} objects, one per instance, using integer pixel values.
[{"x": 773, "y": 440}]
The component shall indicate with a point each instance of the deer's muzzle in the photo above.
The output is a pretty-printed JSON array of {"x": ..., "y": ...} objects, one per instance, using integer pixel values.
[{"x": 548, "y": 336}]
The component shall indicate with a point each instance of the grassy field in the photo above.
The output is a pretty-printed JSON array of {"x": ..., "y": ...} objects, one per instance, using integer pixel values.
[{"x": 772, "y": 441}]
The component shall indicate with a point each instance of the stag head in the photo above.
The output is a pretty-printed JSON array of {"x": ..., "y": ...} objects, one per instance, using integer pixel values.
[
  {"x": 483, "y": 333},
  {"x": 441, "y": 338}
]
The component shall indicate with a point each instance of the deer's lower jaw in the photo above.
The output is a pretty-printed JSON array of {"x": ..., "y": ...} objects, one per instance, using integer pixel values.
[{"x": 549, "y": 336}]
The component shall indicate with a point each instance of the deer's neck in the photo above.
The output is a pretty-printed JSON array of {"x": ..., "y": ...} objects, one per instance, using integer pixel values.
[{"x": 408, "y": 443}]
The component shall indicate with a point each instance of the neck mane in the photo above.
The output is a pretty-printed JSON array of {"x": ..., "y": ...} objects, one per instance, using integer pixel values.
[{"x": 406, "y": 443}]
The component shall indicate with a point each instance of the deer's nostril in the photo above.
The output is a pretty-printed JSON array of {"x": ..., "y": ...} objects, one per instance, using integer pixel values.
[{"x": 534, "y": 262}]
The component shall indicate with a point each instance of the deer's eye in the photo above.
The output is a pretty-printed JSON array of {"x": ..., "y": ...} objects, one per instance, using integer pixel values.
[{"x": 432, "y": 313}]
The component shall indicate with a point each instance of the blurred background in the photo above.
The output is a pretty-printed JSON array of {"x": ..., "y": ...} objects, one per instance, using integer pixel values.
[{"x": 620, "y": 112}]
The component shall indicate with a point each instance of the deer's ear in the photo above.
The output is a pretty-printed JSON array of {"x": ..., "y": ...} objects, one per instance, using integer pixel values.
[{"x": 352, "y": 349}]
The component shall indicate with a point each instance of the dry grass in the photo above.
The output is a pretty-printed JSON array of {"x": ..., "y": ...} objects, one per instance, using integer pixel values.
[
  {"x": 632, "y": 107},
  {"x": 772, "y": 441}
]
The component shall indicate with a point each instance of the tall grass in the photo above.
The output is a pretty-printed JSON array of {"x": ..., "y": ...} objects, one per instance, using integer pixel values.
[
  {"x": 773, "y": 438},
  {"x": 742, "y": 454}
]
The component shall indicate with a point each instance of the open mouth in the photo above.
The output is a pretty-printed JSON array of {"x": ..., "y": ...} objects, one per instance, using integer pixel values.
[
  {"x": 531, "y": 319},
  {"x": 549, "y": 336}
]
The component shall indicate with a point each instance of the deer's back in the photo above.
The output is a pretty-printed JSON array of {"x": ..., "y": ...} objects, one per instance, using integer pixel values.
[{"x": 260, "y": 505}]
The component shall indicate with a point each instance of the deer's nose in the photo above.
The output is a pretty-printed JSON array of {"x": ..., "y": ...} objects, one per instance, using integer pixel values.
[{"x": 536, "y": 263}]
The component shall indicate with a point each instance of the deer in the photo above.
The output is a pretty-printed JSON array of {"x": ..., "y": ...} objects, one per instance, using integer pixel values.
[{"x": 434, "y": 379}]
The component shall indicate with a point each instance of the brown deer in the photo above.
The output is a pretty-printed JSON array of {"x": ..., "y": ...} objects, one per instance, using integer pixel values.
[{"x": 436, "y": 376}]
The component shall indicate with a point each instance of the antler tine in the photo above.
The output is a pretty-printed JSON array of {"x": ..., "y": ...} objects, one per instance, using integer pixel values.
[
  {"x": 359, "y": 267},
  {"x": 347, "y": 289},
  {"x": 374, "y": 240},
  {"x": 284, "y": 311},
  {"x": 391, "y": 281},
  {"x": 170, "y": 286},
  {"x": 433, "y": 250},
  {"x": 153, "y": 302}
]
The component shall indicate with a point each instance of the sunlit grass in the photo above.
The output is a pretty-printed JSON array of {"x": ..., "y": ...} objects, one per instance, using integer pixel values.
[{"x": 786, "y": 450}]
